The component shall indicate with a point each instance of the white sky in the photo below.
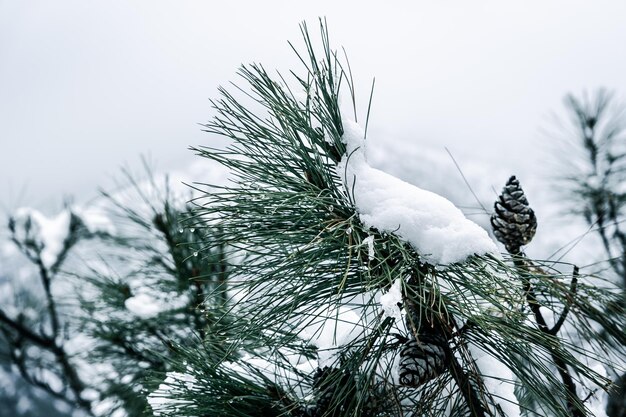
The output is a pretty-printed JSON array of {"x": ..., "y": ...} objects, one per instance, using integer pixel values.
[{"x": 86, "y": 86}]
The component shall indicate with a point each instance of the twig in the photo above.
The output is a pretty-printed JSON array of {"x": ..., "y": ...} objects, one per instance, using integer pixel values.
[
  {"x": 69, "y": 373},
  {"x": 52, "y": 343},
  {"x": 466, "y": 181},
  {"x": 72, "y": 377},
  {"x": 470, "y": 395},
  {"x": 570, "y": 299},
  {"x": 462, "y": 379},
  {"x": 51, "y": 305},
  {"x": 40, "y": 340},
  {"x": 574, "y": 404}
]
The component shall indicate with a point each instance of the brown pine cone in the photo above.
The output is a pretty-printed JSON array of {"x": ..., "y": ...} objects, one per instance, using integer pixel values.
[
  {"x": 422, "y": 358},
  {"x": 514, "y": 222}
]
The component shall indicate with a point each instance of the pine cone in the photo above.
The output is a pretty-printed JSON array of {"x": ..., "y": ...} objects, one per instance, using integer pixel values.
[
  {"x": 421, "y": 361},
  {"x": 514, "y": 222},
  {"x": 333, "y": 385},
  {"x": 424, "y": 358},
  {"x": 337, "y": 390}
]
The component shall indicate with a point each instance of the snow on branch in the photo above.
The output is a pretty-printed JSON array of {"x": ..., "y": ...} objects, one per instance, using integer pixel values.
[{"x": 434, "y": 226}]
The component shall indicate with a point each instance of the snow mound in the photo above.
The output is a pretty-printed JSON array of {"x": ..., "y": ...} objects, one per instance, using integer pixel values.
[{"x": 434, "y": 226}]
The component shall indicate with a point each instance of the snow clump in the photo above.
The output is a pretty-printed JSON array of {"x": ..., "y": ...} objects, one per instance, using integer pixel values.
[
  {"x": 434, "y": 226},
  {"x": 391, "y": 301},
  {"x": 48, "y": 233}
]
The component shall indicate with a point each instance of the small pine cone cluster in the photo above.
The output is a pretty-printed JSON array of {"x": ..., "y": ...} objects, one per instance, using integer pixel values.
[
  {"x": 423, "y": 358},
  {"x": 514, "y": 222}
]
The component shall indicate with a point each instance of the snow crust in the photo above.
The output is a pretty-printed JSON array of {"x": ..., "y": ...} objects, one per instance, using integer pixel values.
[
  {"x": 51, "y": 232},
  {"x": 434, "y": 226}
]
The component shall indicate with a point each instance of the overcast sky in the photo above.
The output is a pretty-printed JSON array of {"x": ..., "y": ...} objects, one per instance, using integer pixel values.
[{"x": 86, "y": 86}]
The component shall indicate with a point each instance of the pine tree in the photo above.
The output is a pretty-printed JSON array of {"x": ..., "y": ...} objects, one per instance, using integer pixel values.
[
  {"x": 593, "y": 183},
  {"x": 344, "y": 301},
  {"x": 148, "y": 292},
  {"x": 312, "y": 284},
  {"x": 120, "y": 295}
]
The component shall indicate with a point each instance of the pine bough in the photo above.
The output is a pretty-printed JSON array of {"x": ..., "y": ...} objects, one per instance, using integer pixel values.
[{"x": 352, "y": 293}]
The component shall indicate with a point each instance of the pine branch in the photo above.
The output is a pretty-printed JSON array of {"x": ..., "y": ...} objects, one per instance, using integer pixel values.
[
  {"x": 570, "y": 300},
  {"x": 594, "y": 189},
  {"x": 600, "y": 133},
  {"x": 290, "y": 212},
  {"x": 53, "y": 342},
  {"x": 309, "y": 259},
  {"x": 160, "y": 246},
  {"x": 472, "y": 399},
  {"x": 41, "y": 340},
  {"x": 15, "y": 355},
  {"x": 512, "y": 220},
  {"x": 574, "y": 404}
]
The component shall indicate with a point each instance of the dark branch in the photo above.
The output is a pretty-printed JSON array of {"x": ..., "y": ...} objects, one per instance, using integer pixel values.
[
  {"x": 468, "y": 390},
  {"x": 574, "y": 404},
  {"x": 52, "y": 342},
  {"x": 37, "y": 339},
  {"x": 570, "y": 299}
]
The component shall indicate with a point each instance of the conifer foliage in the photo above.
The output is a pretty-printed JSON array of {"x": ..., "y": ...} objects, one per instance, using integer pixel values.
[
  {"x": 594, "y": 181},
  {"x": 334, "y": 312},
  {"x": 120, "y": 287},
  {"x": 313, "y": 285}
]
